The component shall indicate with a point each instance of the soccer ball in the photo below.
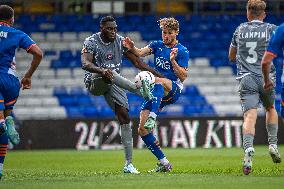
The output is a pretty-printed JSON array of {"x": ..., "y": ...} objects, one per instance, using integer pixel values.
[{"x": 144, "y": 75}]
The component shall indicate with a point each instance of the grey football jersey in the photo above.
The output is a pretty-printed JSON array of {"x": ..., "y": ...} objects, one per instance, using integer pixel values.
[
  {"x": 106, "y": 55},
  {"x": 251, "y": 40}
]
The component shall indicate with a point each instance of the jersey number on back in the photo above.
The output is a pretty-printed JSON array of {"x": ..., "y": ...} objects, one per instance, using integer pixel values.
[{"x": 252, "y": 58}]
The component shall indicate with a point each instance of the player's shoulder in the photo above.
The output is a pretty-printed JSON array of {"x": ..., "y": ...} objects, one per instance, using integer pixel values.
[
  {"x": 182, "y": 48},
  {"x": 270, "y": 26},
  {"x": 15, "y": 30},
  {"x": 280, "y": 31},
  {"x": 157, "y": 42},
  {"x": 92, "y": 38},
  {"x": 281, "y": 27},
  {"x": 120, "y": 37}
]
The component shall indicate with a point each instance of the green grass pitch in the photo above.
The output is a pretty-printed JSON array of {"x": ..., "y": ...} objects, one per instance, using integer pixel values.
[{"x": 193, "y": 168}]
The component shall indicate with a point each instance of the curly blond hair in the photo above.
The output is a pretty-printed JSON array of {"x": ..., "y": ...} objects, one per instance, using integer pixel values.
[
  {"x": 256, "y": 7},
  {"x": 169, "y": 23}
]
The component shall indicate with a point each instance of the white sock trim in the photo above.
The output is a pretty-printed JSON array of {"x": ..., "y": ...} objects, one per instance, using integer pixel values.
[
  {"x": 164, "y": 161},
  {"x": 249, "y": 150},
  {"x": 153, "y": 115}
]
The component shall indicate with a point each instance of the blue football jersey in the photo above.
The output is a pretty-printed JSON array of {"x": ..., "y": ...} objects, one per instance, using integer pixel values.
[
  {"x": 162, "y": 61},
  {"x": 10, "y": 40},
  {"x": 276, "y": 44}
]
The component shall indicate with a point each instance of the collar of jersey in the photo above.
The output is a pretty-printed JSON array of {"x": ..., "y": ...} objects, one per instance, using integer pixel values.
[
  {"x": 173, "y": 46},
  {"x": 4, "y": 24},
  {"x": 256, "y": 21},
  {"x": 102, "y": 40}
]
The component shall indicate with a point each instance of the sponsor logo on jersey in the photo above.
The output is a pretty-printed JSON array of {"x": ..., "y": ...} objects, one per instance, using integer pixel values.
[
  {"x": 109, "y": 56},
  {"x": 3, "y": 34},
  {"x": 163, "y": 63}
]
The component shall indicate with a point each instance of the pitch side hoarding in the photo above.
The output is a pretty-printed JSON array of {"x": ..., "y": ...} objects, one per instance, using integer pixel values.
[{"x": 105, "y": 134}]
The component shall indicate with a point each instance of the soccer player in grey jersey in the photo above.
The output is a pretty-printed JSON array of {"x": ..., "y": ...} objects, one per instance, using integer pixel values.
[
  {"x": 248, "y": 45},
  {"x": 101, "y": 58}
]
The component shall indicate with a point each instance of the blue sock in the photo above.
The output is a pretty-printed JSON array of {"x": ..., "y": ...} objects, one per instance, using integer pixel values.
[
  {"x": 3, "y": 148},
  {"x": 153, "y": 145},
  {"x": 2, "y": 129},
  {"x": 158, "y": 93}
]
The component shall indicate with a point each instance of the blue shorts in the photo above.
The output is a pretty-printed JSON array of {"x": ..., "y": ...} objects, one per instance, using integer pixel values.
[
  {"x": 9, "y": 91},
  {"x": 171, "y": 98}
]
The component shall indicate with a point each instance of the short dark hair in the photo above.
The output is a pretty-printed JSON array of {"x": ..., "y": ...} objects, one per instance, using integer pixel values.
[
  {"x": 6, "y": 12},
  {"x": 107, "y": 19}
]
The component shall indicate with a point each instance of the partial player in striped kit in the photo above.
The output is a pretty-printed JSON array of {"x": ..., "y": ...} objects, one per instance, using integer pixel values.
[
  {"x": 248, "y": 45},
  {"x": 10, "y": 40},
  {"x": 101, "y": 59}
]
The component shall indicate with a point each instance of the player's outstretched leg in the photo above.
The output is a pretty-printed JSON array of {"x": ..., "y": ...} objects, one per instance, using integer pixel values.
[
  {"x": 274, "y": 153},
  {"x": 131, "y": 86},
  {"x": 247, "y": 163},
  {"x": 13, "y": 135}
]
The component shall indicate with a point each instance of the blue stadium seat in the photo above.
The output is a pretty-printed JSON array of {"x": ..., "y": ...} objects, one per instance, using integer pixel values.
[
  {"x": 68, "y": 101},
  {"x": 74, "y": 112},
  {"x": 90, "y": 111},
  {"x": 60, "y": 91},
  {"x": 77, "y": 91}
]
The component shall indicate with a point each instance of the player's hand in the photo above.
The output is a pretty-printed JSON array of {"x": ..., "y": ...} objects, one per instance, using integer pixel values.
[
  {"x": 107, "y": 75},
  {"x": 26, "y": 83},
  {"x": 128, "y": 43},
  {"x": 173, "y": 54},
  {"x": 268, "y": 85}
]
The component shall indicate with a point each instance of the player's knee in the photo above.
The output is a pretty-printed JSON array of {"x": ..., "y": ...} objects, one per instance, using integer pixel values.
[
  {"x": 250, "y": 115},
  {"x": 123, "y": 117},
  {"x": 270, "y": 108}
]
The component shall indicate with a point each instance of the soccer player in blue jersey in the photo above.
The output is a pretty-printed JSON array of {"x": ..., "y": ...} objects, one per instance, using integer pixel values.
[
  {"x": 275, "y": 48},
  {"x": 171, "y": 60},
  {"x": 10, "y": 40}
]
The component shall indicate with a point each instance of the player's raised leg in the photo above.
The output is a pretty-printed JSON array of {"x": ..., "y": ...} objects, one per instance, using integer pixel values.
[
  {"x": 162, "y": 88},
  {"x": 124, "y": 83}
]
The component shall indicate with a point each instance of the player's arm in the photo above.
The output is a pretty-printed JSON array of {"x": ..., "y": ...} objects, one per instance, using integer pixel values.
[
  {"x": 181, "y": 72},
  {"x": 266, "y": 66},
  {"x": 232, "y": 53},
  {"x": 37, "y": 56},
  {"x": 88, "y": 65},
  {"x": 274, "y": 49},
  {"x": 233, "y": 47},
  {"x": 138, "y": 63},
  {"x": 128, "y": 43}
]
